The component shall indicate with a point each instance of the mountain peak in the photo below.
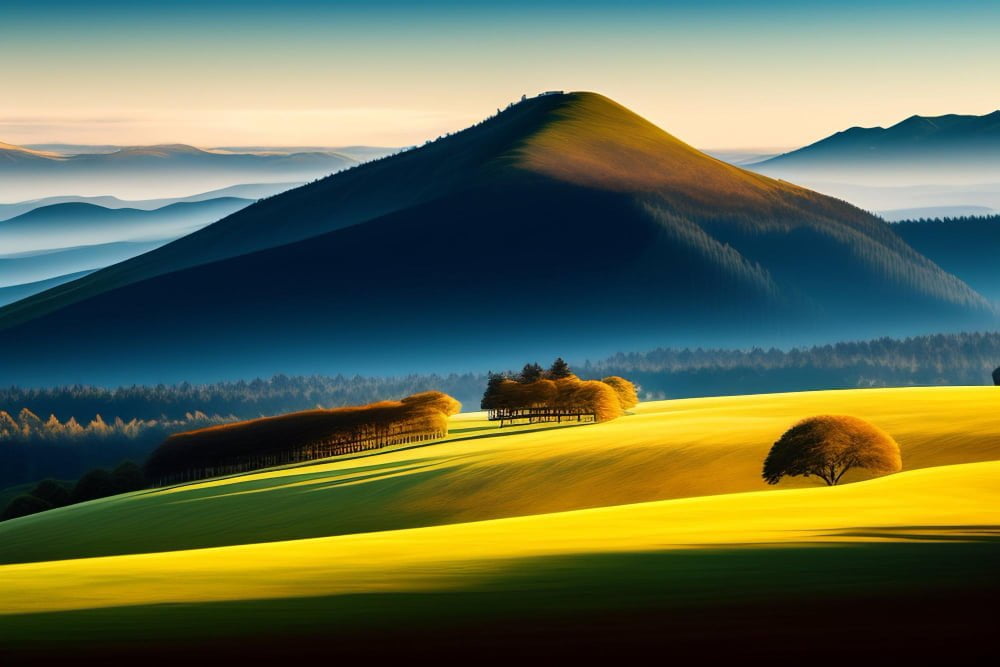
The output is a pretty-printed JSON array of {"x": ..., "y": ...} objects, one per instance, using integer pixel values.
[{"x": 590, "y": 140}]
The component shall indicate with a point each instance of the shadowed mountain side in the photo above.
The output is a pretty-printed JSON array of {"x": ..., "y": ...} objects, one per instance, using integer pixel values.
[
  {"x": 965, "y": 246},
  {"x": 348, "y": 198},
  {"x": 541, "y": 269}
]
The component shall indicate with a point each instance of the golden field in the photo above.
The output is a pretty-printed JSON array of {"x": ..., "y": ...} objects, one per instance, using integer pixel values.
[{"x": 545, "y": 512}]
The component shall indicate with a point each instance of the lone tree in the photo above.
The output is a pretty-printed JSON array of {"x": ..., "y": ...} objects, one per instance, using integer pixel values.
[
  {"x": 559, "y": 370},
  {"x": 830, "y": 445},
  {"x": 996, "y": 377}
]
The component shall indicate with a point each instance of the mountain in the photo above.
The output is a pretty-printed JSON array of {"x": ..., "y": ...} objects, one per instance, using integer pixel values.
[
  {"x": 965, "y": 246},
  {"x": 564, "y": 225},
  {"x": 17, "y": 155},
  {"x": 146, "y": 172},
  {"x": 949, "y": 149},
  {"x": 78, "y": 224},
  {"x": 359, "y": 153},
  {"x": 243, "y": 191}
]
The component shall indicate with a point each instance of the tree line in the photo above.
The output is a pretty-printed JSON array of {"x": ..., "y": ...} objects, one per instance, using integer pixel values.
[
  {"x": 145, "y": 415},
  {"x": 33, "y": 448},
  {"x": 940, "y": 359},
  {"x": 243, "y": 399},
  {"x": 535, "y": 395},
  {"x": 300, "y": 436},
  {"x": 98, "y": 483},
  {"x": 963, "y": 358}
]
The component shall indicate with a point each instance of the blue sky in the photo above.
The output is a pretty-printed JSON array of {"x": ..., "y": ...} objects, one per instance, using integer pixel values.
[{"x": 717, "y": 74}]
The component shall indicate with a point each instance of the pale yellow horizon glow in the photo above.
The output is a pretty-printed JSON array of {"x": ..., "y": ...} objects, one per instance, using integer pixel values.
[
  {"x": 700, "y": 126},
  {"x": 739, "y": 76}
]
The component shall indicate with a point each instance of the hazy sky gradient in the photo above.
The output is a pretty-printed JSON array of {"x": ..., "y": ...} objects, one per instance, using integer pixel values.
[{"x": 716, "y": 74}]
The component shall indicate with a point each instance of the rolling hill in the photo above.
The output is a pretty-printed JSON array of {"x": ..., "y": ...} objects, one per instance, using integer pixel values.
[
  {"x": 146, "y": 172},
  {"x": 564, "y": 225},
  {"x": 248, "y": 191},
  {"x": 919, "y": 150},
  {"x": 653, "y": 530}
]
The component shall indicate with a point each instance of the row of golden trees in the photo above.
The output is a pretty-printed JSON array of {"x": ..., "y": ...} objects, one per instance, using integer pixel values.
[
  {"x": 28, "y": 427},
  {"x": 300, "y": 436},
  {"x": 535, "y": 395}
]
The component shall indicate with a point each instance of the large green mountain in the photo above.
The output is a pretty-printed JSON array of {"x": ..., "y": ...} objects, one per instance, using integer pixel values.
[{"x": 564, "y": 224}]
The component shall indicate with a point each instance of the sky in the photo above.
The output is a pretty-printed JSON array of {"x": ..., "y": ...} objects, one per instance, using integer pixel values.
[{"x": 717, "y": 74}]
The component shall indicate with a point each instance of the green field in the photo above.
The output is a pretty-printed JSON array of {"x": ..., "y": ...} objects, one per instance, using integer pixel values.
[{"x": 637, "y": 527}]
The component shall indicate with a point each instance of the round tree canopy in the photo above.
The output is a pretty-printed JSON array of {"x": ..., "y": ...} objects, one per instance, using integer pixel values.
[{"x": 828, "y": 446}]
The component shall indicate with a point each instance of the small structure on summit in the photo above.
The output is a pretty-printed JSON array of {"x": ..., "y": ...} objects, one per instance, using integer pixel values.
[{"x": 535, "y": 395}]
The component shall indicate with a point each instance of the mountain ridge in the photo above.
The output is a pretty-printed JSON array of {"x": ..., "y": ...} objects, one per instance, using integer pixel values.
[
  {"x": 633, "y": 225},
  {"x": 915, "y": 135},
  {"x": 150, "y": 172}
]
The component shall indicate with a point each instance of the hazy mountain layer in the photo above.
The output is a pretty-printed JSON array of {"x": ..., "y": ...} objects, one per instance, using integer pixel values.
[
  {"x": 941, "y": 150},
  {"x": 249, "y": 191},
  {"x": 147, "y": 172},
  {"x": 68, "y": 225}
]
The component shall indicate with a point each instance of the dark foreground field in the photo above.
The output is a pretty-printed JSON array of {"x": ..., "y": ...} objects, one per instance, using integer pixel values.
[{"x": 858, "y": 603}]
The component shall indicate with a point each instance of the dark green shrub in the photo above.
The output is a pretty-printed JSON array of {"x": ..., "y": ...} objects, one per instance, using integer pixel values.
[
  {"x": 97, "y": 483},
  {"x": 23, "y": 506},
  {"x": 53, "y": 492}
]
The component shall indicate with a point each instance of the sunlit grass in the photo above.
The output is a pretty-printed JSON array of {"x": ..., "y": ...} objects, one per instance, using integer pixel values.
[
  {"x": 945, "y": 502},
  {"x": 667, "y": 449}
]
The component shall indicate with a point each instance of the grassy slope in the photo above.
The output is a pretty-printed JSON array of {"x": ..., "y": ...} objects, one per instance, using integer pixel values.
[
  {"x": 670, "y": 449},
  {"x": 949, "y": 501},
  {"x": 918, "y": 548}
]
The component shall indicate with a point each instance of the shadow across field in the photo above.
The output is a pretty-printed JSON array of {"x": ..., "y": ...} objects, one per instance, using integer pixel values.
[
  {"x": 980, "y": 533},
  {"x": 893, "y": 600}
]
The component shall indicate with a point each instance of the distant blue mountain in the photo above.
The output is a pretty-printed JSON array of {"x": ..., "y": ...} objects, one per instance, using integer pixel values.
[
  {"x": 74, "y": 224},
  {"x": 248, "y": 191},
  {"x": 145, "y": 172},
  {"x": 938, "y": 149}
]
